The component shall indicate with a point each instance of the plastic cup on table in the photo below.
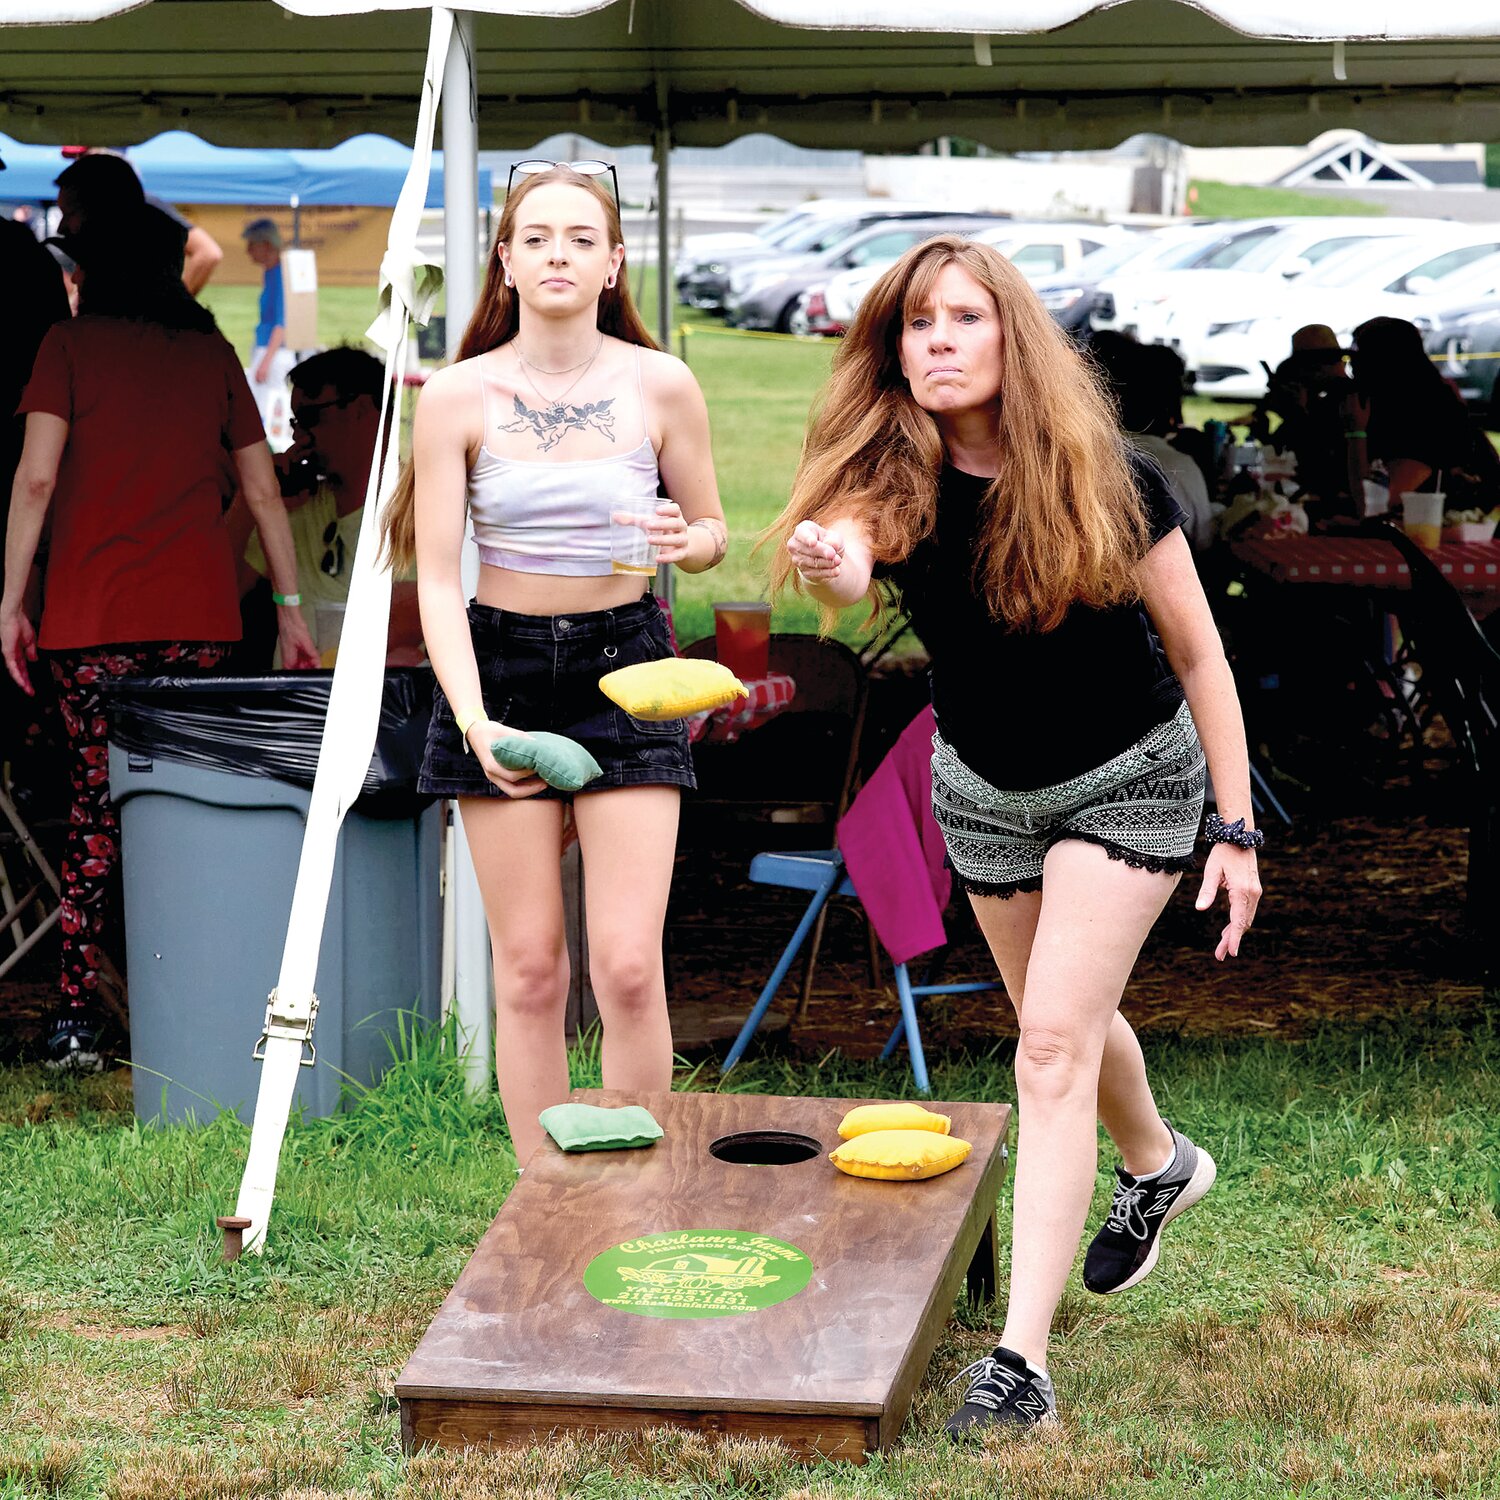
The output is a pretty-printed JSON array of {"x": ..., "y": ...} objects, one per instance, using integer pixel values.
[
  {"x": 629, "y": 549},
  {"x": 328, "y": 628},
  {"x": 1422, "y": 516},
  {"x": 742, "y": 637}
]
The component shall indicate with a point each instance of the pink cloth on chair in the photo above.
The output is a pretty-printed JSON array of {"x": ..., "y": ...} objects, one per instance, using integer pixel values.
[{"x": 893, "y": 848}]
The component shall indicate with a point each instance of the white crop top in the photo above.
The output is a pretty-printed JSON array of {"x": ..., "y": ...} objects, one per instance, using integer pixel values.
[{"x": 552, "y": 516}]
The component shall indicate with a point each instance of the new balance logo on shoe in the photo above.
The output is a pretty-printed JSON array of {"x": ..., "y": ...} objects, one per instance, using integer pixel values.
[{"x": 1125, "y": 1250}]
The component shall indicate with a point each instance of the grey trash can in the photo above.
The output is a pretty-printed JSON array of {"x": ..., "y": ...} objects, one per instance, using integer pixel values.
[{"x": 210, "y": 843}]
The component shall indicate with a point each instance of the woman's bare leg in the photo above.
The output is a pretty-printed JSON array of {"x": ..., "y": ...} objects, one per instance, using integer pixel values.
[
  {"x": 1065, "y": 954},
  {"x": 517, "y": 849},
  {"x": 628, "y": 838},
  {"x": 1127, "y": 1109}
]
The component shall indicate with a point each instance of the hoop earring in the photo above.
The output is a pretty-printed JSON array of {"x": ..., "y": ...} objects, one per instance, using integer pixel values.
[
  {"x": 508, "y": 280},
  {"x": 609, "y": 282}
]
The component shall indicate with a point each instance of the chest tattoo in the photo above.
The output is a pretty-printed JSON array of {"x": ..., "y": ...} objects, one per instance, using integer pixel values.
[{"x": 551, "y": 424}]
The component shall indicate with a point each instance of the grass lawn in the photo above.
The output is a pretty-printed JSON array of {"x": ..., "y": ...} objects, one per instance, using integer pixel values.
[
  {"x": 1236, "y": 200},
  {"x": 1326, "y": 1324}
]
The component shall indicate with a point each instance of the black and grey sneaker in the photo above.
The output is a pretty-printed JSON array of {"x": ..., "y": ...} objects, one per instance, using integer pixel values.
[
  {"x": 72, "y": 1045},
  {"x": 1124, "y": 1251},
  {"x": 1003, "y": 1392}
]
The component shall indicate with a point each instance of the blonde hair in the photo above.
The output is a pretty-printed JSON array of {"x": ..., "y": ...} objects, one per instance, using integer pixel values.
[
  {"x": 497, "y": 316},
  {"x": 1063, "y": 521}
]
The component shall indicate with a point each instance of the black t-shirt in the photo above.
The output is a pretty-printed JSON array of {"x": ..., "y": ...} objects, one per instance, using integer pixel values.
[
  {"x": 162, "y": 206},
  {"x": 1027, "y": 709},
  {"x": 1432, "y": 426}
]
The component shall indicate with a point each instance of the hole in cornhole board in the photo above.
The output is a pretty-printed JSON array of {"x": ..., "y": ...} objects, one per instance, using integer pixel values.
[
  {"x": 620, "y": 1291},
  {"x": 765, "y": 1148}
]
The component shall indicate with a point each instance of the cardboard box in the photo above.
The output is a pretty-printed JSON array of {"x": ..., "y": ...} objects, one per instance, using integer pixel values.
[{"x": 299, "y": 284}]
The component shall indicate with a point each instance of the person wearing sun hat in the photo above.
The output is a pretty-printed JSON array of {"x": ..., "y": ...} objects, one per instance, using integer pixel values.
[{"x": 1310, "y": 392}]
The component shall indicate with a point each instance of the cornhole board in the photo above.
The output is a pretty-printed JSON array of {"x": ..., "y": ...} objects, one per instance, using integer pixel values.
[{"x": 665, "y": 1286}]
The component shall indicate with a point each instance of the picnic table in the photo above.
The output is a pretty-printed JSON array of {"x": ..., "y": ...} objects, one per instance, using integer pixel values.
[
  {"x": 1364, "y": 562},
  {"x": 768, "y": 695}
]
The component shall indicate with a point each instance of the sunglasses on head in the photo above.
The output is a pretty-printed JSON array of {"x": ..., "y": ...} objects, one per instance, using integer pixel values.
[{"x": 586, "y": 168}]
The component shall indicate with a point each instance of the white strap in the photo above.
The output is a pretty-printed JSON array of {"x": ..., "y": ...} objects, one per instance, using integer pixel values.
[{"x": 409, "y": 286}]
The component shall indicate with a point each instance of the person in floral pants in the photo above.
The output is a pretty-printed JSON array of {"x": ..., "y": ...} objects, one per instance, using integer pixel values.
[{"x": 91, "y": 853}]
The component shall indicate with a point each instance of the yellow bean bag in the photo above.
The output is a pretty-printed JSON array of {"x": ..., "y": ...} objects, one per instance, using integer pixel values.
[
  {"x": 671, "y": 687},
  {"x": 900, "y": 1155},
  {"x": 868, "y": 1117}
]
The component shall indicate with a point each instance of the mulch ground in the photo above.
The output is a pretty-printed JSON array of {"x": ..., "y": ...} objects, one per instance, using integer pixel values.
[{"x": 1362, "y": 916}]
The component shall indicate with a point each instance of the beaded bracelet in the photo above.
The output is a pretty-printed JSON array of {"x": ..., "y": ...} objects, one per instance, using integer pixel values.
[{"x": 1217, "y": 831}]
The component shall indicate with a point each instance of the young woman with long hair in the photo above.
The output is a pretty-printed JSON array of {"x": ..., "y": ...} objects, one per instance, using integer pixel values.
[
  {"x": 964, "y": 454},
  {"x": 558, "y": 411}
]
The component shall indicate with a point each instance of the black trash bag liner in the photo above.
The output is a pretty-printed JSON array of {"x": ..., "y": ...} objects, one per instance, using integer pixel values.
[{"x": 273, "y": 726}]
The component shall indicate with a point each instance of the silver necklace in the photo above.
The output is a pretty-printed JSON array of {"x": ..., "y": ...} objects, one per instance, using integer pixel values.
[{"x": 554, "y": 406}]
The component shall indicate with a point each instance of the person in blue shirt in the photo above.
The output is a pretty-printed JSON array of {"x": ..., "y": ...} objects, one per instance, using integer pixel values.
[{"x": 270, "y": 360}]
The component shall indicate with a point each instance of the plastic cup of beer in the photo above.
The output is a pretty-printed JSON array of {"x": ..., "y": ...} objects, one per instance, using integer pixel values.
[
  {"x": 629, "y": 549},
  {"x": 742, "y": 637},
  {"x": 1422, "y": 517},
  {"x": 1377, "y": 498}
]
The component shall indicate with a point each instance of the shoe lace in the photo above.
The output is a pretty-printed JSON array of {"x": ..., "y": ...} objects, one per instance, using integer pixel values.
[
  {"x": 988, "y": 1371},
  {"x": 1125, "y": 1216}
]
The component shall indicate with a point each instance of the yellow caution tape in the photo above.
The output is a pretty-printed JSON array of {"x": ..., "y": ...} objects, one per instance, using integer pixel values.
[
  {"x": 1476, "y": 354},
  {"x": 750, "y": 333}
]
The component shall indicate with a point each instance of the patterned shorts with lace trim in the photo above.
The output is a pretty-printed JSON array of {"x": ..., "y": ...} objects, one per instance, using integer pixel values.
[{"x": 1143, "y": 807}]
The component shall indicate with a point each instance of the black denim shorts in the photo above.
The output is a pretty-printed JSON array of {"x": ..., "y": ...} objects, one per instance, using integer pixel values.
[{"x": 542, "y": 672}]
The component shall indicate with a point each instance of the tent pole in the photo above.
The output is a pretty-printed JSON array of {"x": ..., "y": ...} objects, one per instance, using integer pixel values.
[
  {"x": 663, "y": 155},
  {"x": 473, "y": 994},
  {"x": 666, "y": 580},
  {"x": 460, "y": 181}
]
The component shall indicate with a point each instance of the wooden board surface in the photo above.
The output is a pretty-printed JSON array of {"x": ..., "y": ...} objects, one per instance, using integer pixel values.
[{"x": 521, "y": 1347}]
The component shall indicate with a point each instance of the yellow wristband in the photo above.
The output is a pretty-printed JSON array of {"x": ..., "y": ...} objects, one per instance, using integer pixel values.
[{"x": 466, "y": 721}]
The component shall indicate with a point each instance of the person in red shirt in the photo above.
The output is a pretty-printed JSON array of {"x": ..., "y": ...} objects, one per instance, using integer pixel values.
[{"x": 130, "y": 412}]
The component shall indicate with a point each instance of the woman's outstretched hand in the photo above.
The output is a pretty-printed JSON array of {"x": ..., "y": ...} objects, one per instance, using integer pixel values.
[
  {"x": 816, "y": 553},
  {"x": 18, "y": 641},
  {"x": 1234, "y": 870}
]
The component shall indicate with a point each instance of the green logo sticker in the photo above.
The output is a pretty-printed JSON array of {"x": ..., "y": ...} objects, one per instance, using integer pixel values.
[{"x": 697, "y": 1273}]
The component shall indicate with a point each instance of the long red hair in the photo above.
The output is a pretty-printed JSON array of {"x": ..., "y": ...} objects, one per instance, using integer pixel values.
[
  {"x": 496, "y": 319},
  {"x": 1063, "y": 523}
]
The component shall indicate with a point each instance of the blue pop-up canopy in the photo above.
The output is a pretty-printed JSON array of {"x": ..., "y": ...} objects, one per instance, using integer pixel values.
[{"x": 177, "y": 166}]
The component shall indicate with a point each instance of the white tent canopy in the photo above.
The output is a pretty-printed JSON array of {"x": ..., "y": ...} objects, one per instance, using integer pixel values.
[{"x": 872, "y": 74}]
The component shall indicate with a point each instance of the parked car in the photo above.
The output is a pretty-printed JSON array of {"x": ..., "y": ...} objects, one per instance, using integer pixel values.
[
  {"x": 1036, "y": 248},
  {"x": 1071, "y": 296},
  {"x": 1402, "y": 278},
  {"x": 705, "y": 249},
  {"x": 1267, "y": 251},
  {"x": 1464, "y": 342},
  {"x": 1204, "y": 298},
  {"x": 706, "y": 283},
  {"x": 764, "y": 294}
]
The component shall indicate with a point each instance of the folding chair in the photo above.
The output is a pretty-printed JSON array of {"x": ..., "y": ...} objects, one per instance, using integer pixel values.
[
  {"x": 822, "y": 873},
  {"x": 22, "y": 864}
]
